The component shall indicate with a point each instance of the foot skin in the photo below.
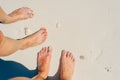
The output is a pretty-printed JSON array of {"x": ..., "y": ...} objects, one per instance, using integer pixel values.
[
  {"x": 44, "y": 58},
  {"x": 35, "y": 39},
  {"x": 21, "y": 14},
  {"x": 1, "y": 37},
  {"x": 20, "y": 78},
  {"x": 67, "y": 64}
]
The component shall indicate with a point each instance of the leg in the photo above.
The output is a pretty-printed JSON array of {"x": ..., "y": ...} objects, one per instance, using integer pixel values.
[
  {"x": 9, "y": 46},
  {"x": 20, "y": 78},
  {"x": 18, "y": 14},
  {"x": 1, "y": 37},
  {"x": 44, "y": 57},
  {"x": 67, "y": 64},
  {"x": 25, "y": 78}
]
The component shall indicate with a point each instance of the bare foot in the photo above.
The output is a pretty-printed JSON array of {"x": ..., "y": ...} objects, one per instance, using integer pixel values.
[
  {"x": 35, "y": 39},
  {"x": 67, "y": 64},
  {"x": 21, "y": 14},
  {"x": 44, "y": 58}
]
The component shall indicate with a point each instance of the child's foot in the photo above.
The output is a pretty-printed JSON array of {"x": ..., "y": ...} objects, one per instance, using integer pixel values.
[
  {"x": 21, "y": 14},
  {"x": 44, "y": 58},
  {"x": 35, "y": 39},
  {"x": 67, "y": 64}
]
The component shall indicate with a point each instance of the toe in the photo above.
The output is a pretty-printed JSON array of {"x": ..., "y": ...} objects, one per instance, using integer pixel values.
[
  {"x": 73, "y": 59},
  {"x": 42, "y": 31},
  {"x": 43, "y": 28},
  {"x": 63, "y": 54},
  {"x": 49, "y": 49},
  {"x": 71, "y": 56},
  {"x": 40, "y": 53},
  {"x": 31, "y": 15},
  {"x": 43, "y": 50},
  {"x": 67, "y": 54},
  {"x": 45, "y": 34},
  {"x": 28, "y": 15},
  {"x": 46, "y": 49}
]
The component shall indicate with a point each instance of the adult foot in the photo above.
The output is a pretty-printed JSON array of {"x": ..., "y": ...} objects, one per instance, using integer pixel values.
[
  {"x": 44, "y": 58},
  {"x": 34, "y": 39},
  {"x": 20, "y": 14},
  {"x": 67, "y": 64}
]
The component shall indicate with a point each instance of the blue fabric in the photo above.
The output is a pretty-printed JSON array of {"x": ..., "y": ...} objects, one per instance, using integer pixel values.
[{"x": 10, "y": 69}]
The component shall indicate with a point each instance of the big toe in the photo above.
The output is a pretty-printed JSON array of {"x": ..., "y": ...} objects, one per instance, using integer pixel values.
[{"x": 41, "y": 31}]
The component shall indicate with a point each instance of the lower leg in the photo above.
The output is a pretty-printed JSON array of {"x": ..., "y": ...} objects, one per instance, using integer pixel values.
[
  {"x": 38, "y": 77},
  {"x": 20, "y": 78},
  {"x": 9, "y": 45}
]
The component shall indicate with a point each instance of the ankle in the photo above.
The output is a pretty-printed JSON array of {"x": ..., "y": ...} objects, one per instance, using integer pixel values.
[
  {"x": 7, "y": 20},
  {"x": 23, "y": 43},
  {"x": 65, "y": 79},
  {"x": 43, "y": 75}
]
